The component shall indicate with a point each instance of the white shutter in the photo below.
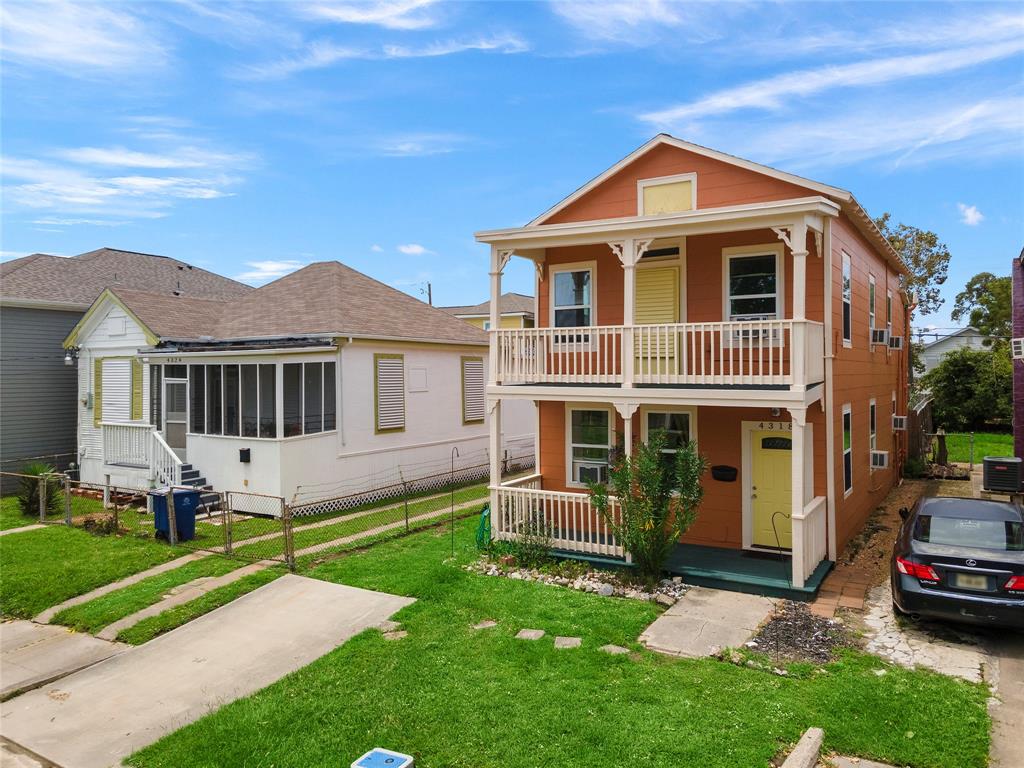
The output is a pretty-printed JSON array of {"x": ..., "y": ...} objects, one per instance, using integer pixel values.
[
  {"x": 117, "y": 390},
  {"x": 472, "y": 389},
  {"x": 390, "y": 380}
]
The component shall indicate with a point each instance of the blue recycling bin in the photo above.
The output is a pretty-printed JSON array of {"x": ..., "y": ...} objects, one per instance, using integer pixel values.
[{"x": 186, "y": 504}]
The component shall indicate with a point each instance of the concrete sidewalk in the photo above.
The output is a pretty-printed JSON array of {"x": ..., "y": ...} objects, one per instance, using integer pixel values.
[
  {"x": 706, "y": 620},
  {"x": 97, "y": 717}
]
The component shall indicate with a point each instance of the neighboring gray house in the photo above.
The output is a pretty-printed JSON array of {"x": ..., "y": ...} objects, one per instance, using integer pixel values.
[
  {"x": 934, "y": 351},
  {"x": 42, "y": 298}
]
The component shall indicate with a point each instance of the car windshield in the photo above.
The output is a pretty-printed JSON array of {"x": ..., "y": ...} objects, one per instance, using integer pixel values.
[{"x": 1004, "y": 535}]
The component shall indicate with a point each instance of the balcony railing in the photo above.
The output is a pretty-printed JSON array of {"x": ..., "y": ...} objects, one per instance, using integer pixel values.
[
  {"x": 569, "y": 519},
  {"x": 141, "y": 446},
  {"x": 810, "y": 539},
  {"x": 743, "y": 353}
]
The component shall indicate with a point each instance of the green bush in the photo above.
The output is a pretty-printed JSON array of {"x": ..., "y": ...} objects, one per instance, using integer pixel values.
[
  {"x": 914, "y": 467},
  {"x": 532, "y": 547},
  {"x": 28, "y": 490},
  {"x": 971, "y": 388}
]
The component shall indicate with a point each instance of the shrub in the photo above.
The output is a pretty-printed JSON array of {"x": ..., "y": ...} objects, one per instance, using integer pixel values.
[
  {"x": 28, "y": 490},
  {"x": 658, "y": 501},
  {"x": 914, "y": 467},
  {"x": 532, "y": 547}
]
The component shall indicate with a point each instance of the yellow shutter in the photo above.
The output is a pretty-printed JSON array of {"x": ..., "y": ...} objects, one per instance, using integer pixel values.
[
  {"x": 668, "y": 198},
  {"x": 136, "y": 390},
  {"x": 97, "y": 390},
  {"x": 657, "y": 296}
]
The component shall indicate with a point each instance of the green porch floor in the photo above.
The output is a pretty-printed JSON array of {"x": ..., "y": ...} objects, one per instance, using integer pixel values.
[{"x": 742, "y": 571}]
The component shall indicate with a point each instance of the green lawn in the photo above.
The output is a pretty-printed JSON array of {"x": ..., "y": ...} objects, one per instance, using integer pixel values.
[
  {"x": 96, "y": 614},
  {"x": 985, "y": 444},
  {"x": 46, "y": 566},
  {"x": 12, "y": 517},
  {"x": 455, "y": 697}
]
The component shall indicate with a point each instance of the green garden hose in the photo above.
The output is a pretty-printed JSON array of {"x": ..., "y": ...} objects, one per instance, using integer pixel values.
[{"x": 483, "y": 530}]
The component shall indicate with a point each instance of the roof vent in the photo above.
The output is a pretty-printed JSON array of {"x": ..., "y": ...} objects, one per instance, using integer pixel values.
[{"x": 176, "y": 292}]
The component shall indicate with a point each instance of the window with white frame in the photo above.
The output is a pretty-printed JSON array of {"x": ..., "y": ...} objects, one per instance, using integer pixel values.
[
  {"x": 871, "y": 305},
  {"x": 847, "y": 301},
  {"x": 667, "y": 194},
  {"x": 873, "y": 424},
  {"x": 572, "y": 298},
  {"x": 893, "y": 403},
  {"x": 753, "y": 286},
  {"x": 888, "y": 311},
  {"x": 847, "y": 449},
  {"x": 678, "y": 428},
  {"x": 590, "y": 443}
]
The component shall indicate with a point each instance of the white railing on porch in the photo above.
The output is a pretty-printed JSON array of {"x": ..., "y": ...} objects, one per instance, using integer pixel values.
[
  {"x": 569, "y": 519},
  {"x": 742, "y": 352},
  {"x": 164, "y": 464},
  {"x": 126, "y": 444},
  {"x": 129, "y": 444},
  {"x": 810, "y": 542}
]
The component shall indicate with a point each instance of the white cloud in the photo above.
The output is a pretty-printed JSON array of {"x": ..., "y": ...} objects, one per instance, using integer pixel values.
[
  {"x": 970, "y": 215},
  {"x": 79, "y": 38},
  {"x": 64, "y": 222},
  {"x": 182, "y": 157},
  {"x": 777, "y": 92},
  {"x": 322, "y": 53},
  {"x": 413, "y": 249},
  {"x": 260, "y": 272},
  {"x": 390, "y": 14},
  {"x": 637, "y": 22},
  {"x": 419, "y": 144},
  {"x": 376, "y": 248}
]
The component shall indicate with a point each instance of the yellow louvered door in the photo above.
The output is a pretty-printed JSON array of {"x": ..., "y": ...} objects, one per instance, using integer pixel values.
[{"x": 657, "y": 304}]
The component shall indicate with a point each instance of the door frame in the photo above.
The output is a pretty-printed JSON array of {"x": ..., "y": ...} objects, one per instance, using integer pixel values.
[
  {"x": 747, "y": 428},
  {"x": 669, "y": 261},
  {"x": 164, "y": 400}
]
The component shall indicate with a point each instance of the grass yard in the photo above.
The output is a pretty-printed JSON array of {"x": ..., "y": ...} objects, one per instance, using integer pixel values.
[
  {"x": 454, "y": 697},
  {"x": 46, "y": 566},
  {"x": 96, "y": 614},
  {"x": 985, "y": 444},
  {"x": 12, "y": 517}
]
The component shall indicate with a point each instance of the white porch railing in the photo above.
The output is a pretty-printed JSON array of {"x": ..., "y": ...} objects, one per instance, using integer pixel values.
[
  {"x": 164, "y": 464},
  {"x": 126, "y": 444},
  {"x": 742, "y": 352},
  {"x": 570, "y": 520},
  {"x": 810, "y": 542}
]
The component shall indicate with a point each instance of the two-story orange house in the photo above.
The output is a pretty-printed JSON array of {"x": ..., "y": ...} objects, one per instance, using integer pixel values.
[{"x": 751, "y": 310}]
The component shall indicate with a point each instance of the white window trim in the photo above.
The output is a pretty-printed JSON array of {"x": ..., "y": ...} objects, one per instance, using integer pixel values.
[
  {"x": 872, "y": 305},
  {"x": 570, "y": 482},
  {"x": 873, "y": 424},
  {"x": 888, "y": 311},
  {"x": 765, "y": 249},
  {"x": 847, "y": 263},
  {"x": 578, "y": 266},
  {"x": 657, "y": 181},
  {"x": 688, "y": 410},
  {"x": 893, "y": 403},
  {"x": 847, "y": 411}
]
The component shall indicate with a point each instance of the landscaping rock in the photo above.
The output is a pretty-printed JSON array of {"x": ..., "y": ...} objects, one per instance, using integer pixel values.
[
  {"x": 614, "y": 650},
  {"x": 568, "y": 642},
  {"x": 796, "y": 634},
  {"x": 606, "y": 590},
  {"x": 485, "y": 624},
  {"x": 662, "y": 599},
  {"x": 530, "y": 634}
]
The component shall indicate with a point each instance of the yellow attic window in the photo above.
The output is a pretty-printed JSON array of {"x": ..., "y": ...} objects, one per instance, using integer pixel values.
[{"x": 669, "y": 194}]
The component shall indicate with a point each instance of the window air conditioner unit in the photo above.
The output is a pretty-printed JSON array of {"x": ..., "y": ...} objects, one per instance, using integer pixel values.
[
  {"x": 879, "y": 459},
  {"x": 591, "y": 473},
  {"x": 899, "y": 423},
  {"x": 895, "y": 342},
  {"x": 1018, "y": 349},
  {"x": 880, "y": 336}
]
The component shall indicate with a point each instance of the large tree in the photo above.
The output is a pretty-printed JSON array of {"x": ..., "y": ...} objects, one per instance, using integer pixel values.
[
  {"x": 971, "y": 388},
  {"x": 986, "y": 303},
  {"x": 926, "y": 257}
]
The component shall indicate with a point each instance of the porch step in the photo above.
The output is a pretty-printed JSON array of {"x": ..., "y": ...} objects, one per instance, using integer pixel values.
[
  {"x": 739, "y": 571},
  {"x": 188, "y": 474},
  {"x": 195, "y": 482}
]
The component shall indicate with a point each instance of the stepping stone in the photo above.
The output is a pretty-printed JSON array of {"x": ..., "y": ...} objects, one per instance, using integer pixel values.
[
  {"x": 568, "y": 642},
  {"x": 485, "y": 624},
  {"x": 398, "y": 635},
  {"x": 530, "y": 634},
  {"x": 389, "y": 626},
  {"x": 614, "y": 650}
]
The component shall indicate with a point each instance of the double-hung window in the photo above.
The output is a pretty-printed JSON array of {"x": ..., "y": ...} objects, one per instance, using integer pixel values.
[
  {"x": 678, "y": 428},
  {"x": 847, "y": 301},
  {"x": 888, "y": 311},
  {"x": 754, "y": 287},
  {"x": 590, "y": 443},
  {"x": 871, "y": 305},
  {"x": 873, "y": 424},
  {"x": 573, "y": 298},
  {"x": 847, "y": 449}
]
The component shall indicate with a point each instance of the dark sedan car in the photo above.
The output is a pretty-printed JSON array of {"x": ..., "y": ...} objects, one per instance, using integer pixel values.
[{"x": 961, "y": 559}]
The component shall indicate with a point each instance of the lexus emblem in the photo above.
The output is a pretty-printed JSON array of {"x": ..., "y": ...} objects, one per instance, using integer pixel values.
[{"x": 972, "y": 563}]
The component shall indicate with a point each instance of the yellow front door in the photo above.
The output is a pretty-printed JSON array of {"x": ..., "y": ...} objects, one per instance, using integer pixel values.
[{"x": 771, "y": 489}]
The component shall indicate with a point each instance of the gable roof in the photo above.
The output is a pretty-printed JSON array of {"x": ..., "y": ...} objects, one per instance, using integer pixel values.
[
  {"x": 323, "y": 299},
  {"x": 847, "y": 202},
  {"x": 968, "y": 331},
  {"x": 508, "y": 304},
  {"x": 75, "y": 282}
]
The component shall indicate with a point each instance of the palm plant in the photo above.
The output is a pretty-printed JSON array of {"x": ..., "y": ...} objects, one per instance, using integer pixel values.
[{"x": 28, "y": 489}]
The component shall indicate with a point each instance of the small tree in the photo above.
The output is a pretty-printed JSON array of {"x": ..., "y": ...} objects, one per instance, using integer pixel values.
[
  {"x": 657, "y": 501},
  {"x": 971, "y": 388},
  {"x": 28, "y": 490},
  {"x": 926, "y": 257}
]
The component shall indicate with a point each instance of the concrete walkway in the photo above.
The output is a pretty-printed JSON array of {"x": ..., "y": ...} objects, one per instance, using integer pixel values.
[
  {"x": 1007, "y": 749},
  {"x": 49, "y": 613},
  {"x": 32, "y": 655},
  {"x": 97, "y": 717},
  {"x": 705, "y": 621},
  {"x": 179, "y": 596},
  {"x": 33, "y": 527}
]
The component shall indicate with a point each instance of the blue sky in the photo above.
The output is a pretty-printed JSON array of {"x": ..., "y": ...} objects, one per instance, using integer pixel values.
[{"x": 252, "y": 138}]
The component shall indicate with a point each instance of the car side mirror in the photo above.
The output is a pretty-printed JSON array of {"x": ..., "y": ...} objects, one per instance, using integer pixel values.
[{"x": 904, "y": 513}]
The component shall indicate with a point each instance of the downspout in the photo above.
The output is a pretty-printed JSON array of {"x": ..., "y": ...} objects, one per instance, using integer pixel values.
[
  {"x": 340, "y": 391},
  {"x": 830, "y": 425}
]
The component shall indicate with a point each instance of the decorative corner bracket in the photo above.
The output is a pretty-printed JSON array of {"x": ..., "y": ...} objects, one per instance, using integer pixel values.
[
  {"x": 502, "y": 258},
  {"x": 799, "y": 416},
  {"x": 783, "y": 234},
  {"x": 818, "y": 243},
  {"x": 626, "y": 409},
  {"x": 628, "y": 252}
]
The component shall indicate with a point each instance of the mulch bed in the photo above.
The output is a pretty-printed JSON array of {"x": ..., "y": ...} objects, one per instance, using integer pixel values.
[{"x": 793, "y": 633}]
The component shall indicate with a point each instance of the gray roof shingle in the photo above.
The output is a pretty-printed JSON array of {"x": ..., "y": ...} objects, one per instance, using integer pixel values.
[{"x": 510, "y": 303}]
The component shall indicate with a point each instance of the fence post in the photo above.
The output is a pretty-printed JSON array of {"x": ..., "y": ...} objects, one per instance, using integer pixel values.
[
  {"x": 226, "y": 513},
  {"x": 106, "y": 491},
  {"x": 41, "y": 490},
  {"x": 67, "y": 499},
  {"x": 405, "y": 499},
  {"x": 172, "y": 519},
  {"x": 972, "y": 451},
  {"x": 289, "y": 544}
]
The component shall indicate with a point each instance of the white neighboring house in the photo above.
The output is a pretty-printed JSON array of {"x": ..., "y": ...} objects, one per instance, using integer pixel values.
[
  {"x": 934, "y": 351},
  {"x": 321, "y": 383}
]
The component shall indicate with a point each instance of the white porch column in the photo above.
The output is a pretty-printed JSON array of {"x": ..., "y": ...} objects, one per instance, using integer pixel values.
[
  {"x": 494, "y": 454},
  {"x": 797, "y": 242},
  {"x": 799, "y": 499},
  {"x": 627, "y": 411},
  {"x": 628, "y": 252},
  {"x": 499, "y": 259}
]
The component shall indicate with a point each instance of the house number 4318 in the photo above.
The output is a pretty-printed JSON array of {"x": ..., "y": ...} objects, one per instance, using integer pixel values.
[{"x": 775, "y": 426}]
